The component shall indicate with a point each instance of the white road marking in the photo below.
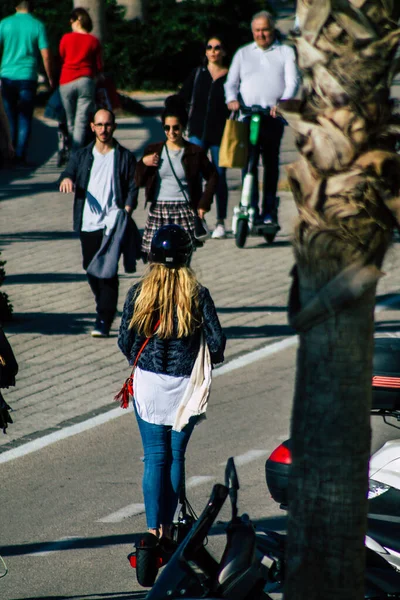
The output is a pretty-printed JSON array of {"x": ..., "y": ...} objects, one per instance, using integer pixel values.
[
  {"x": 247, "y": 457},
  {"x": 255, "y": 355},
  {"x": 123, "y": 513},
  {"x": 138, "y": 509},
  {"x": 232, "y": 365},
  {"x": 47, "y": 440},
  {"x": 198, "y": 480}
]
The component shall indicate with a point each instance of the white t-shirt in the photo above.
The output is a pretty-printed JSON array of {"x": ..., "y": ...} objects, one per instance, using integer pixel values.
[
  {"x": 158, "y": 396},
  {"x": 100, "y": 209}
]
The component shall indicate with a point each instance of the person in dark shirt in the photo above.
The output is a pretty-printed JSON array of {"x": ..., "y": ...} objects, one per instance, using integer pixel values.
[{"x": 203, "y": 91}]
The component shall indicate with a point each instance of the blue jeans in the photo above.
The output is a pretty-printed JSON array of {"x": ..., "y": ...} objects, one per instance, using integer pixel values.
[
  {"x": 222, "y": 188},
  {"x": 19, "y": 101},
  {"x": 164, "y": 469}
]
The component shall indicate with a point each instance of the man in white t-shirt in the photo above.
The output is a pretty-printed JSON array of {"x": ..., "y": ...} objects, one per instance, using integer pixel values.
[
  {"x": 102, "y": 177},
  {"x": 263, "y": 73}
]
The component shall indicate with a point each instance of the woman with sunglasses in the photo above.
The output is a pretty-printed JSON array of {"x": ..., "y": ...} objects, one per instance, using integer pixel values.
[
  {"x": 203, "y": 91},
  {"x": 171, "y": 172}
]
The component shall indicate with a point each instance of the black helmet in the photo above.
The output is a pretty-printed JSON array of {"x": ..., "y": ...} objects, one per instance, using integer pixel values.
[{"x": 171, "y": 246}]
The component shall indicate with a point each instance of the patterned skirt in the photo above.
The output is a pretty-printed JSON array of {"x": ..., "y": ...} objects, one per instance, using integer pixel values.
[{"x": 168, "y": 213}]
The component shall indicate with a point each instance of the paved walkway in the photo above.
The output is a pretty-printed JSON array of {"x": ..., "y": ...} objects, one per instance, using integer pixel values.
[{"x": 65, "y": 375}]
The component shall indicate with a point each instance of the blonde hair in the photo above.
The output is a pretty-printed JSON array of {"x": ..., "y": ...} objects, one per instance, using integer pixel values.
[{"x": 163, "y": 293}]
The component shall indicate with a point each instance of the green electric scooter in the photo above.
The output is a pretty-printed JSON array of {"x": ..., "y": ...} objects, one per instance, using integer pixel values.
[{"x": 243, "y": 221}]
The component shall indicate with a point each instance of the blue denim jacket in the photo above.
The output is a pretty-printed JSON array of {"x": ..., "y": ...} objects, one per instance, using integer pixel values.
[{"x": 173, "y": 356}]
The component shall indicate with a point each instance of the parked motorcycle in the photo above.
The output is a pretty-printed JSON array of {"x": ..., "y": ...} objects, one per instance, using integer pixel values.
[
  {"x": 252, "y": 564},
  {"x": 384, "y": 471}
]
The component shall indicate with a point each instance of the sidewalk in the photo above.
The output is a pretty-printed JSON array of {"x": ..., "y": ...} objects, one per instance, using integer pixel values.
[{"x": 66, "y": 376}]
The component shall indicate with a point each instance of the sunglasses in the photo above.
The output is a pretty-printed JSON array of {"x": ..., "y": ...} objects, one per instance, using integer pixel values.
[
  {"x": 217, "y": 47},
  {"x": 173, "y": 127}
]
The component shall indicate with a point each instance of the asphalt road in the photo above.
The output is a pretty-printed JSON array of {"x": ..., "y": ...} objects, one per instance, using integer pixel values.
[{"x": 66, "y": 510}]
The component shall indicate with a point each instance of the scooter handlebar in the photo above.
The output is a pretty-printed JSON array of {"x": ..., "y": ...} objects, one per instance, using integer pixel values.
[{"x": 255, "y": 109}]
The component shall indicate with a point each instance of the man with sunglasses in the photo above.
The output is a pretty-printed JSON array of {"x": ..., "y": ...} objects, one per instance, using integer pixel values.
[
  {"x": 261, "y": 74},
  {"x": 102, "y": 175}
]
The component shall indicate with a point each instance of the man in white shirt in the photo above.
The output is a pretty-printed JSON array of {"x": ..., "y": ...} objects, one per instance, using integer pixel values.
[
  {"x": 263, "y": 73},
  {"x": 102, "y": 175}
]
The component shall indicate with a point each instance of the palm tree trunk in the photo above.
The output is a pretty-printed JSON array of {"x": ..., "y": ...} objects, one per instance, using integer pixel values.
[
  {"x": 347, "y": 189},
  {"x": 96, "y": 9}
]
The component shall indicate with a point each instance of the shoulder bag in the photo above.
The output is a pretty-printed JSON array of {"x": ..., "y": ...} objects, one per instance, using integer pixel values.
[
  {"x": 196, "y": 77},
  {"x": 201, "y": 231},
  {"x": 126, "y": 392}
]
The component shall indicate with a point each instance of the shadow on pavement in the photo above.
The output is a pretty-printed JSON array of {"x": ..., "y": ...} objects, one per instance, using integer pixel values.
[
  {"x": 112, "y": 596},
  {"x": 137, "y": 108},
  {"x": 81, "y": 543},
  {"x": 265, "y": 331},
  {"x": 37, "y": 236},
  {"x": 278, "y": 523},
  {"x": 29, "y": 278},
  {"x": 387, "y": 327},
  {"x": 9, "y": 190},
  {"x": 275, "y": 244},
  {"x": 249, "y": 309},
  {"x": 392, "y": 301},
  {"x": 51, "y": 323}
]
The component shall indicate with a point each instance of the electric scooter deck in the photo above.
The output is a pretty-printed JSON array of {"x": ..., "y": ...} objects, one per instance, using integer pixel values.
[{"x": 267, "y": 230}]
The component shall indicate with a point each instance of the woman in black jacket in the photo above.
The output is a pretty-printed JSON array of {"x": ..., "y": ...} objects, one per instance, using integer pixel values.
[
  {"x": 203, "y": 91},
  {"x": 176, "y": 315}
]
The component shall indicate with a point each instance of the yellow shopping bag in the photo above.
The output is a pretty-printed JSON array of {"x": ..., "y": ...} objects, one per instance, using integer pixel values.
[{"x": 234, "y": 144}]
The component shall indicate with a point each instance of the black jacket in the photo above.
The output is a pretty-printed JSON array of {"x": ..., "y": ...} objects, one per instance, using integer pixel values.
[
  {"x": 174, "y": 356},
  {"x": 209, "y": 112},
  {"x": 79, "y": 167},
  {"x": 8, "y": 363}
]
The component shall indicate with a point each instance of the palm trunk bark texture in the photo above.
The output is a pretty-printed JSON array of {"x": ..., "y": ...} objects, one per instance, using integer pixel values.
[{"x": 346, "y": 186}]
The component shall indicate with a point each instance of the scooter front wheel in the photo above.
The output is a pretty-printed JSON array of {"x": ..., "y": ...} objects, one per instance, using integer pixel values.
[{"x": 242, "y": 231}]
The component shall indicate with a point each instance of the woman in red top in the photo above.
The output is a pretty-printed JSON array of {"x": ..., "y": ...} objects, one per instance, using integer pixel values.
[{"x": 80, "y": 53}]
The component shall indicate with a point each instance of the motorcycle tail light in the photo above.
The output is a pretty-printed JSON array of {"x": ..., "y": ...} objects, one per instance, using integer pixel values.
[{"x": 376, "y": 488}]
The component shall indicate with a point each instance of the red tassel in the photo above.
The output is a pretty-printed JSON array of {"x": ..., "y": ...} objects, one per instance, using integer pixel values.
[
  {"x": 123, "y": 396},
  {"x": 126, "y": 392}
]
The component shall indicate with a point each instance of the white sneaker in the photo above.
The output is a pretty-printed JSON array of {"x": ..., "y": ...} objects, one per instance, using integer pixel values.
[{"x": 219, "y": 232}]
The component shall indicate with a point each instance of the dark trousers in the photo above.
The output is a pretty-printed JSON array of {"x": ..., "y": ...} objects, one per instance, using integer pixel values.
[
  {"x": 105, "y": 290},
  {"x": 19, "y": 101},
  {"x": 271, "y": 132}
]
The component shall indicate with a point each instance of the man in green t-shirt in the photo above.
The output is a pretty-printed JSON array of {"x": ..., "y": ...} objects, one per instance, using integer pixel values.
[{"x": 23, "y": 39}]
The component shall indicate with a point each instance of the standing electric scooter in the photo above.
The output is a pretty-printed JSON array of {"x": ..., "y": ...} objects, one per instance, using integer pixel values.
[
  {"x": 150, "y": 554},
  {"x": 243, "y": 221}
]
